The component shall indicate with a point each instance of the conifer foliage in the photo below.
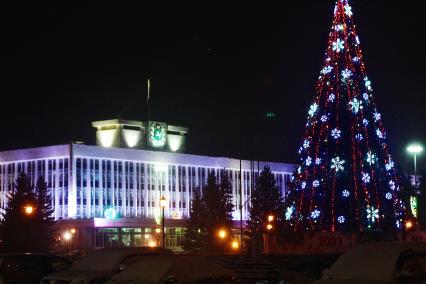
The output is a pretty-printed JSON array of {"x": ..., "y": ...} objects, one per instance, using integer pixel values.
[
  {"x": 211, "y": 211},
  {"x": 23, "y": 230}
]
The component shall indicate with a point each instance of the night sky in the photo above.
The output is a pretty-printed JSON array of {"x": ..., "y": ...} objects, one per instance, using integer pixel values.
[{"x": 215, "y": 68}]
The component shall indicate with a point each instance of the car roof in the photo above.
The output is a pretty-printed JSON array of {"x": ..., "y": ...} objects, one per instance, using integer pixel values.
[
  {"x": 186, "y": 268},
  {"x": 28, "y": 254},
  {"x": 373, "y": 261},
  {"x": 107, "y": 258}
]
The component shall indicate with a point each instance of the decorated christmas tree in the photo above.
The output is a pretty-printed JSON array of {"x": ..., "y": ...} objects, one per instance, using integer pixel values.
[{"x": 346, "y": 180}]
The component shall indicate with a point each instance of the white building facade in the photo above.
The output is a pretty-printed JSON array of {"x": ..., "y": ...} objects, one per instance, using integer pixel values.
[{"x": 110, "y": 192}]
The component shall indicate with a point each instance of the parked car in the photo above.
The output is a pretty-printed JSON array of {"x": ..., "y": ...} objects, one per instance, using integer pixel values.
[
  {"x": 100, "y": 265},
  {"x": 173, "y": 269},
  {"x": 26, "y": 268},
  {"x": 379, "y": 263}
]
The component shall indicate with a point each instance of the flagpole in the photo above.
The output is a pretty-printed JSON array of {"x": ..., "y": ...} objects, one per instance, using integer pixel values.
[{"x": 147, "y": 100}]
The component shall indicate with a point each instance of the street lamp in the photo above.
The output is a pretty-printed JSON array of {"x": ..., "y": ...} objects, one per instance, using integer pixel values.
[
  {"x": 270, "y": 218},
  {"x": 222, "y": 233},
  {"x": 163, "y": 204},
  {"x": 235, "y": 245},
  {"x": 67, "y": 237},
  {"x": 415, "y": 149},
  {"x": 28, "y": 209}
]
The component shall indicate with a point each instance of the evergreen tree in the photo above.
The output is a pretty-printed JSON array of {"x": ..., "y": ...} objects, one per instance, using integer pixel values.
[
  {"x": 210, "y": 212},
  {"x": 346, "y": 179},
  {"x": 43, "y": 216},
  {"x": 266, "y": 200},
  {"x": 216, "y": 214},
  {"x": 225, "y": 188},
  {"x": 28, "y": 231},
  {"x": 196, "y": 230},
  {"x": 18, "y": 231}
]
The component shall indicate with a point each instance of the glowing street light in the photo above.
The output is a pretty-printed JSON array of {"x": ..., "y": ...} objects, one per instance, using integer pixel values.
[
  {"x": 163, "y": 204},
  {"x": 271, "y": 218},
  {"x": 415, "y": 149},
  {"x": 269, "y": 227},
  {"x": 222, "y": 233},
  {"x": 158, "y": 230},
  {"x": 67, "y": 235},
  {"x": 235, "y": 245},
  {"x": 408, "y": 225},
  {"x": 73, "y": 231},
  {"x": 29, "y": 209}
]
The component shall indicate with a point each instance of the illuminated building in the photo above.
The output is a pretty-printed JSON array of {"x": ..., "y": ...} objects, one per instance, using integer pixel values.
[{"x": 111, "y": 192}]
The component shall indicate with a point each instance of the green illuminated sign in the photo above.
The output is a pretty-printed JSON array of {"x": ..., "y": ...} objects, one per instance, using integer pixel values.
[{"x": 157, "y": 134}]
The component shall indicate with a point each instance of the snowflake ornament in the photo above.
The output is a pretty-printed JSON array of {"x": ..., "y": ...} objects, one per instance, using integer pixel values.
[
  {"x": 389, "y": 165},
  {"x": 368, "y": 84},
  {"x": 308, "y": 161},
  {"x": 371, "y": 158},
  {"x": 313, "y": 109},
  {"x": 356, "y": 105},
  {"x": 365, "y": 177},
  {"x": 346, "y": 74},
  {"x": 304, "y": 185},
  {"x": 372, "y": 214},
  {"x": 318, "y": 161},
  {"x": 366, "y": 97},
  {"x": 345, "y": 193},
  {"x": 356, "y": 59},
  {"x": 392, "y": 185},
  {"x": 338, "y": 45},
  {"x": 289, "y": 212},
  {"x": 315, "y": 183},
  {"x": 324, "y": 118},
  {"x": 365, "y": 122},
  {"x": 331, "y": 98},
  {"x": 388, "y": 195},
  {"x": 337, "y": 164},
  {"x": 315, "y": 214},
  {"x": 336, "y": 133},
  {"x": 377, "y": 116},
  {"x": 341, "y": 219},
  {"x": 348, "y": 10},
  {"x": 339, "y": 28},
  {"x": 326, "y": 70},
  {"x": 359, "y": 137},
  {"x": 380, "y": 134},
  {"x": 306, "y": 143}
]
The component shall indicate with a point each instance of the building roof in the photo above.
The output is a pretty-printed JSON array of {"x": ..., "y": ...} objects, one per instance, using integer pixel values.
[{"x": 136, "y": 155}]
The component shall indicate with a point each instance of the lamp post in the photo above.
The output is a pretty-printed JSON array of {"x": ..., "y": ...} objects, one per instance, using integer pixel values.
[
  {"x": 163, "y": 203},
  {"x": 415, "y": 149},
  {"x": 222, "y": 233},
  {"x": 67, "y": 237}
]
